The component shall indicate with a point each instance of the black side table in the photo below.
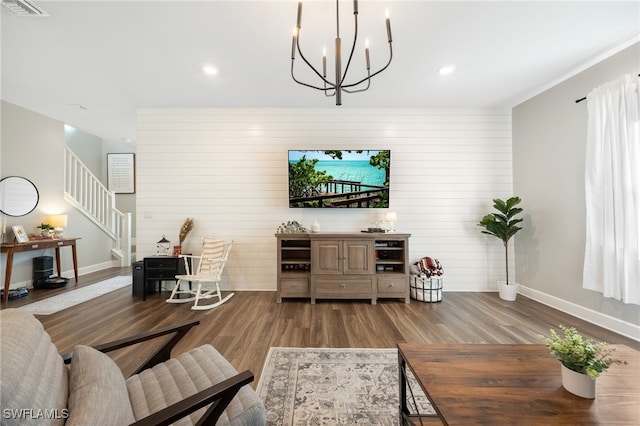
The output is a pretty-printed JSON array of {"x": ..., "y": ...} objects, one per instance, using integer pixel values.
[{"x": 161, "y": 268}]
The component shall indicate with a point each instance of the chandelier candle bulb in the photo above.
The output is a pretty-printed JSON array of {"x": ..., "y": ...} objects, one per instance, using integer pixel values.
[
  {"x": 388, "y": 22},
  {"x": 338, "y": 72},
  {"x": 293, "y": 45},
  {"x": 366, "y": 54},
  {"x": 324, "y": 62}
]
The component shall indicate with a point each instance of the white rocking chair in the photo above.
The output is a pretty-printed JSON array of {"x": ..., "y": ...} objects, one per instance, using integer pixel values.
[{"x": 210, "y": 264}]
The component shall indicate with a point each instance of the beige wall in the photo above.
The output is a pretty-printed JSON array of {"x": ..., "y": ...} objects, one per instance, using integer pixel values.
[
  {"x": 32, "y": 147},
  {"x": 549, "y": 138}
]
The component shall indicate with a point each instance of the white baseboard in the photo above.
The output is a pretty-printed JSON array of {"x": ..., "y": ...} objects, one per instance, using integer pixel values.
[
  {"x": 69, "y": 274},
  {"x": 624, "y": 328}
]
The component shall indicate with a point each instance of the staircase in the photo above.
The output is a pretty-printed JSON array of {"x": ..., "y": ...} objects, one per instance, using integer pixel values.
[{"x": 84, "y": 191}]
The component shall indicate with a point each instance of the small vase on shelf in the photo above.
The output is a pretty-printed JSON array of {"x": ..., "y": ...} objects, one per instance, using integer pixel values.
[{"x": 315, "y": 226}]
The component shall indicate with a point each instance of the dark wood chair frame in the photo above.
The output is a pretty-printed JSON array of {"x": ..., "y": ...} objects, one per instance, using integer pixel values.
[{"x": 219, "y": 395}]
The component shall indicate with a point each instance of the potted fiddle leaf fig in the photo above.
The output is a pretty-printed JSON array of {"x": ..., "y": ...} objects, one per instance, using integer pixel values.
[{"x": 503, "y": 225}]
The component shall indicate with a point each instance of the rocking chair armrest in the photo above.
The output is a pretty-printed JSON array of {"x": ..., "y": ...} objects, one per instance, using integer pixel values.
[
  {"x": 188, "y": 261},
  {"x": 161, "y": 354},
  {"x": 219, "y": 396}
]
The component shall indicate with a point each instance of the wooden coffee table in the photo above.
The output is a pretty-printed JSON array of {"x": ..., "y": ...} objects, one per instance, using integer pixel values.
[{"x": 515, "y": 384}]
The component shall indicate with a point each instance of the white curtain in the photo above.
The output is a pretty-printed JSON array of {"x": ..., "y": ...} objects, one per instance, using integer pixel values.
[{"x": 612, "y": 255}]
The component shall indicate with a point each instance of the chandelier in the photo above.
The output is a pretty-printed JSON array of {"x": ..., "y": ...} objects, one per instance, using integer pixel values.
[{"x": 339, "y": 85}]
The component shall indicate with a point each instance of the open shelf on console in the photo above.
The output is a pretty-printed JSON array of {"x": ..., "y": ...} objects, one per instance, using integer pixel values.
[{"x": 295, "y": 256}]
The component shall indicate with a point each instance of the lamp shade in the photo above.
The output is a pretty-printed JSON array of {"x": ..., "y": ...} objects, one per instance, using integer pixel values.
[
  {"x": 58, "y": 220},
  {"x": 392, "y": 217}
]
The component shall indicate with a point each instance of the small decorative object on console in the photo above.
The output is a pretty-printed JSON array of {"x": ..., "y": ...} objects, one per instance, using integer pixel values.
[
  {"x": 163, "y": 247},
  {"x": 291, "y": 227},
  {"x": 185, "y": 229},
  {"x": 20, "y": 234},
  {"x": 46, "y": 230}
]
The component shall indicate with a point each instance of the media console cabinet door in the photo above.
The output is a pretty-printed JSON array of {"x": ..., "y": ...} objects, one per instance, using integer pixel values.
[
  {"x": 326, "y": 257},
  {"x": 359, "y": 258},
  {"x": 338, "y": 257}
]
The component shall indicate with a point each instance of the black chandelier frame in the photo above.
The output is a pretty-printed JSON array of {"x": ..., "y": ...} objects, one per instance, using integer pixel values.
[{"x": 336, "y": 88}]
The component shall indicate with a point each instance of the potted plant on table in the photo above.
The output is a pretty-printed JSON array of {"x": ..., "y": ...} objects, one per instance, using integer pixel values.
[
  {"x": 504, "y": 225},
  {"x": 582, "y": 360},
  {"x": 46, "y": 230}
]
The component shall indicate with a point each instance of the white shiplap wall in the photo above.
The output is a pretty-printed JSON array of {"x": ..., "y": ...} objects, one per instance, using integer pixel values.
[{"x": 227, "y": 168}]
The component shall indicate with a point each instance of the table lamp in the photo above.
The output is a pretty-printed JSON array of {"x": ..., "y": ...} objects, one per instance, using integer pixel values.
[
  {"x": 392, "y": 218},
  {"x": 58, "y": 221}
]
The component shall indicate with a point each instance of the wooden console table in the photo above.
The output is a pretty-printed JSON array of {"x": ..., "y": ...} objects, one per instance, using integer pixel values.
[
  {"x": 515, "y": 384},
  {"x": 343, "y": 265},
  {"x": 11, "y": 248}
]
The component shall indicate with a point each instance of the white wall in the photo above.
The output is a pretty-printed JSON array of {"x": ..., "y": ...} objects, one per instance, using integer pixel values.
[
  {"x": 126, "y": 203},
  {"x": 93, "y": 151},
  {"x": 549, "y": 140},
  {"x": 227, "y": 168},
  {"x": 88, "y": 148}
]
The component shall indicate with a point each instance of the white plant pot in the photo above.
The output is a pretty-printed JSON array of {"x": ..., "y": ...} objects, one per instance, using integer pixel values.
[
  {"x": 508, "y": 292},
  {"x": 578, "y": 384}
]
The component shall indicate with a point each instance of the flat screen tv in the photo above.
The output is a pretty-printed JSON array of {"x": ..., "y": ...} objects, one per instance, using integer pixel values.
[{"x": 339, "y": 179}]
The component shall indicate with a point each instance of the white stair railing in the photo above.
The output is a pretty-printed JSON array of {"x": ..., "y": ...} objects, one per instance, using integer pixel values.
[{"x": 84, "y": 191}]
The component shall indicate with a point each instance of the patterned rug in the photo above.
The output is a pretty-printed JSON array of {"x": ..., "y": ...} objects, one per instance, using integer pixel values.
[
  {"x": 320, "y": 386},
  {"x": 71, "y": 298}
]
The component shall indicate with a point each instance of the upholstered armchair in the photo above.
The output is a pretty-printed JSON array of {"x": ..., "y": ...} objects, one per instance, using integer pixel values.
[{"x": 86, "y": 387}]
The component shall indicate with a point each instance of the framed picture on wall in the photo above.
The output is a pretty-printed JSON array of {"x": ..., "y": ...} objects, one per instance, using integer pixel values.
[
  {"x": 20, "y": 234},
  {"x": 121, "y": 173}
]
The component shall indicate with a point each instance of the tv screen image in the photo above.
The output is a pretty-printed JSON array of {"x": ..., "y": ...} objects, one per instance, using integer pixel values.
[{"x": 339, "y": 179}]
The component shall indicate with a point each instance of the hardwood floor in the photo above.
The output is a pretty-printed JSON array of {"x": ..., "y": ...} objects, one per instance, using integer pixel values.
[{"x": 249, "y": 324}]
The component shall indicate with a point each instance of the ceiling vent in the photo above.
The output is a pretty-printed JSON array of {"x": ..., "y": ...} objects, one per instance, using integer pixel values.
[{"x": 23, "y": 8}]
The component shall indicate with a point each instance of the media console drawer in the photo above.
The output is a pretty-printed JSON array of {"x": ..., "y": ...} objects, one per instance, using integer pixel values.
[
  {"x": 343, "y": 286},
  {"x": 292, "y": 287},
  {"x": 392, "y": 283}
]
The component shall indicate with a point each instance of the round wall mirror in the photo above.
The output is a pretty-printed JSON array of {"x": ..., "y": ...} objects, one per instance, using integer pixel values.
[{"x": 18, "y": 196}]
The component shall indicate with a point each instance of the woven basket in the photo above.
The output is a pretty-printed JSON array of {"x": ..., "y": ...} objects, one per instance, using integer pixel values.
[{"x": 426, "y": 289}]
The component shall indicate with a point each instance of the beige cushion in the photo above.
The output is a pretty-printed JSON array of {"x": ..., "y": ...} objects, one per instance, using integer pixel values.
[
  {"x": 183, "y": 376},
  {"x": 97, "y": 390},
  {"x": 32, "y": 373}
]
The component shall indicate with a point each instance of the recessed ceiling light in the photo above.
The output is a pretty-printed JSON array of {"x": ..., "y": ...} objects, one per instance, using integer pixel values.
[
  {"x": 209, "y": 70},
  {"x": 446, "y": 70}
]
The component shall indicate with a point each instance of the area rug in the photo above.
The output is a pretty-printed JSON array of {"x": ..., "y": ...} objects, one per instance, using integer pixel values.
[
  {"x": 71, "y": 298},
  {"x": 320, "y": 386}
]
